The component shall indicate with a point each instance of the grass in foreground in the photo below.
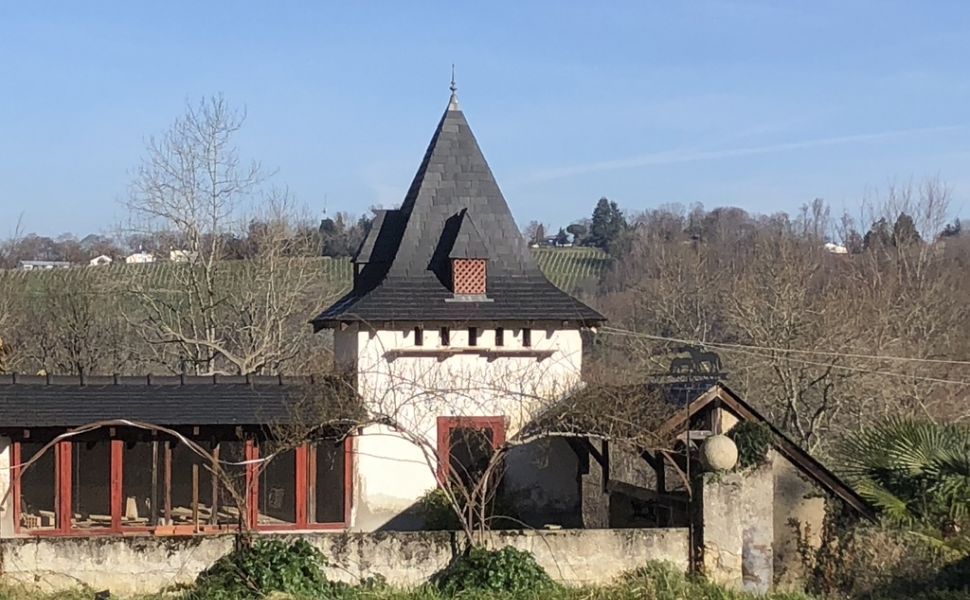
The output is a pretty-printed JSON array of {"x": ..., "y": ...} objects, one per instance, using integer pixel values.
[{"x": 656, "y": 581}]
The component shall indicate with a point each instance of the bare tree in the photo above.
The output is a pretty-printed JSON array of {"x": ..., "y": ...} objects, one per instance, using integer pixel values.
[{"x": 213, "y": 315}]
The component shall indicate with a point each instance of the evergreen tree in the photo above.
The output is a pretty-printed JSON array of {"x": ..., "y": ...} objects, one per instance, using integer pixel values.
[
  {"x": 607, "y": 226},
  {"x": 540, "y": 234},
  {"x": 562, "y": 238},
  {"x": 904, "y": 231},
  {"x": 878, "y": 236}
]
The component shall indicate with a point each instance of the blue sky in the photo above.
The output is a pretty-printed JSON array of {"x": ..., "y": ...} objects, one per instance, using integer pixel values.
[{"x": 762, "y": 105}]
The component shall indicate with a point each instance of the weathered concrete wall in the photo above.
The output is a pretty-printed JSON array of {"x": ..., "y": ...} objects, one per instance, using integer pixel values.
[
  {"x": 136, "y": 565},
  {"x": 757, "y": 529},
  {"x": 738, "y": 528},
  {"x": 799, "y": 512}
]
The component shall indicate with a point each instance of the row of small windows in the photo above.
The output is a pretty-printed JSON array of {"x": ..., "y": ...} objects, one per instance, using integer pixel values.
[{"x": 444, "y": 335}]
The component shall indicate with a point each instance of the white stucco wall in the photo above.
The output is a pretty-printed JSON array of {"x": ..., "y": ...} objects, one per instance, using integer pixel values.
[
  {"x": 6, "y": 494},
  {"x": 393, "y": 473}
]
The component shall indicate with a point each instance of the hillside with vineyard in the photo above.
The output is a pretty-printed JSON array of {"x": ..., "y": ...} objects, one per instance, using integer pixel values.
[{"x": 574, "y": 270}]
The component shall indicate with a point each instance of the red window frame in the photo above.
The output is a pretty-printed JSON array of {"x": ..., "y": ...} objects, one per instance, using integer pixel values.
[
  {"x": 63, "y": 495},
  {"x": 447, "y": 424},
  {"x": 305, "y": 478}
]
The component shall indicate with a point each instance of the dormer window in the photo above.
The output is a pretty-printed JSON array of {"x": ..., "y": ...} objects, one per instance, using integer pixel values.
[{"x": 469, "y": 276}]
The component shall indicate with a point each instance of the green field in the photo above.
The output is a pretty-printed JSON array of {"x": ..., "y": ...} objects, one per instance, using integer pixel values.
[{"x": 575, "y": 270}]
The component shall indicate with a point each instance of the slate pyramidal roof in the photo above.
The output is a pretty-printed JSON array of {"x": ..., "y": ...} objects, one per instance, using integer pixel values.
[{"x": 453, "y": 209}]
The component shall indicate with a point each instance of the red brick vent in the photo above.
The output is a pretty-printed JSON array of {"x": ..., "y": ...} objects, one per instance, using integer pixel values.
[{"x": 468, "y": 276}]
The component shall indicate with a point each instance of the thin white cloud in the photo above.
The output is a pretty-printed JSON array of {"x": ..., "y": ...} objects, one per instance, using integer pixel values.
[{"x": 680, "y": 156}]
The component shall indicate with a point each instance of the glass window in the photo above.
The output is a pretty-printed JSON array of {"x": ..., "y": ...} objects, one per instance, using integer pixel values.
[
  {"x": 326, "y": 489},
  {"x": 473, "y": 336},
  {"x": 499, "y": 337},
  {"x": 277, "y": 490},
  {"x": 38, "y": 488},
  {"x": 91, "y": 484},
  {"x": 445, "y": 336},
  {"x": 418, "y": 336},
  {"x": 526, "y": 338}
]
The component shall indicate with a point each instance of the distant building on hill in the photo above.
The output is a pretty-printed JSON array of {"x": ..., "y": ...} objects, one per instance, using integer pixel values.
[
  {"x": 140, "y": 258},
  {"x": 182, "y": 256},
  {"x": 100, "y": 260},
  {"x": 835, "y": 248},
  {"x": 42, "y": 265}
]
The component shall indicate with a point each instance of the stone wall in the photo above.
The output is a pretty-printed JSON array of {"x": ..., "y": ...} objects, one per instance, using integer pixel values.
[
  {"x": 737, "y": 528},
  {"x": 800, "y": 508},
  {"x": 136, "y": 565}
]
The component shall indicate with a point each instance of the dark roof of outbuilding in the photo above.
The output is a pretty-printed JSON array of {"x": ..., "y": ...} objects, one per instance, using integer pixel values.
[
  {"x": 32, "y": 401},
  {"x": 720, "y": 395},
  {"x": 453, "y": 207}
]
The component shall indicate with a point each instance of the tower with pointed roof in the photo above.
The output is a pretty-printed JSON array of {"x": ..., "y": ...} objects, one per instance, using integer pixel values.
[{"x": 450, "y": 322}]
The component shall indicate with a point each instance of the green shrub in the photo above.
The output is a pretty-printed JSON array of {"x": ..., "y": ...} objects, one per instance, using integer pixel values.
[
  {"x": 268, "y": 565},
  {"x": 509, "y": 571},
  {"x": 436, "y": 512},
  {"x": 753, "y": 441}
]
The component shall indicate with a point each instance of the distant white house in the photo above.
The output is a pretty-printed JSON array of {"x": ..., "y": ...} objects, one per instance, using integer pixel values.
[
  {"x": 140, "y": 258},
  {"x": 835, "y": 248},
  {"x": 101, "y": 260},
  {"x": 42, "y": 265},
  {"x": 182, "y": 256}
]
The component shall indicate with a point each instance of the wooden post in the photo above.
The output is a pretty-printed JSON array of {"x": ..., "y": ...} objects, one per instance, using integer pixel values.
[
  {"x": 117, "y": 473},
  {"x": 153, "y": 517},
  {"x": 214, "y": 517},
  {"x": 168, "y": 484},
  {"x": 195, "y": 497},
  {"x": 64, "y": 478}
]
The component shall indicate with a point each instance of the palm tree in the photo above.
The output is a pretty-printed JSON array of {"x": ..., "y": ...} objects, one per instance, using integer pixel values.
[{"x": 918, "y": 475}]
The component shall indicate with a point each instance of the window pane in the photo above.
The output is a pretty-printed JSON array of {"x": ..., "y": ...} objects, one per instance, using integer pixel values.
[
  {"x": 38, "y": 488},
  {"x": 232, "y": 482},
  {"x": 142, "y": 482},
  {"x": 91, "y": 481},
  {"x": 471, "y": 451},
  {"x": 191, "y": 477},
  {"x": 327, "y": 472},
  {"x": 277, "y": 490}
]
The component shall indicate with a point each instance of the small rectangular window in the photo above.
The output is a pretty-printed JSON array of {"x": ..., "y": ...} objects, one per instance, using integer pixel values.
[
  {"x": 445, "y": 336},
  {"x": 526, "y": 338},
  {"x": 499, "y": 337},
  {"x": 418, "y": 336},
  {"x": 473, "y": 336}
]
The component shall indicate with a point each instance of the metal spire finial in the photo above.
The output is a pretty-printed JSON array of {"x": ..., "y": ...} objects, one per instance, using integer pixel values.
[{"x": 453, "y": 103}]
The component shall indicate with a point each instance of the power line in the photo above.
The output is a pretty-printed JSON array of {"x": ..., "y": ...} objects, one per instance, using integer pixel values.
[
  {"x": 748, "y": 350},
  {"x": 727, "y": 345}
]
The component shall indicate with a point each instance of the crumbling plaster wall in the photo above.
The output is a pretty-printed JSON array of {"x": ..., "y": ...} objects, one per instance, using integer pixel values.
[
  {"x": 737, "y": 528},
  {"x": 800, "y": 509},
  {"x": 139, "y": 565}
]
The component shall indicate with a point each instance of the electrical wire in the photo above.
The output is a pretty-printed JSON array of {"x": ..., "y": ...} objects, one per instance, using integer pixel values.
[{"x": 746, "y": 349}]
